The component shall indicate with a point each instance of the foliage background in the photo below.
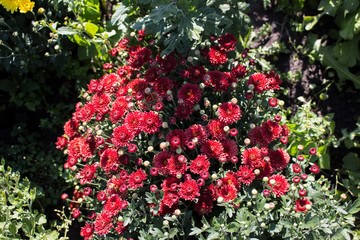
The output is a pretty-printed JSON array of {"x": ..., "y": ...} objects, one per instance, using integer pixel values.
[{"x": 45, "y": 58}]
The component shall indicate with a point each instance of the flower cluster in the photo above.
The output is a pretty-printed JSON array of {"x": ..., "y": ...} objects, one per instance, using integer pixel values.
[
  {"x": 13, "y": 5},
  {"x": 163, "y": 135}
]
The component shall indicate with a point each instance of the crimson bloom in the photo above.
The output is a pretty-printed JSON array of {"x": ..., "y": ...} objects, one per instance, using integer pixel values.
[
  {"x": 189, "y": 190},
  {"x": 229, "y": 113},
  {"x": 281, "y": 185}
]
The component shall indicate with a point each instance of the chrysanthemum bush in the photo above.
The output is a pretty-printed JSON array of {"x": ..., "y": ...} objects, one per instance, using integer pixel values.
[{"x": 193, "y": 147}]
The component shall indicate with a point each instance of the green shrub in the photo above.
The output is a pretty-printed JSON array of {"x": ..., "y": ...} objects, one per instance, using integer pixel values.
[{"x": 18, "y": 220}]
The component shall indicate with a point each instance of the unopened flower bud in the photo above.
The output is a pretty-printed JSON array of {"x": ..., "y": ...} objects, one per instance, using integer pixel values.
[
  {"x": 220, "y": 199},
  {"x": 272, "y": 181},
  {"x": 251, "y": 86},
  {"x": 146, "y": 163}
]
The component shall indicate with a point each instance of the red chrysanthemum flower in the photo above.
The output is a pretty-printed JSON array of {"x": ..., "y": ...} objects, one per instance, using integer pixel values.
[
  {"x": 281, "y": 185},
  {"x": 196, "y": 73},
  {"x": 189, "y": 190},
  {"x": 118, "y": 109},
  {"x": 117, "y": 186},
  {"x": 88, "y": 173},
  {"x": 229, "y": 113},
  {"x": 246, "y": 175},
  {"x": 219, "y": 80},
  {"x": 271, "y": 130},
  {"x": 232, "y": 178},
  {"x": 212, "y": 148},
  {"x": 151, "y": 75},
  {"x": 265, "y": 171},
  {"x": 135, "y": 121},
  {"x": 227, "y": 42},
  {"x": 70, "y": 128},
  {"x": 85, "y": 113},
  {"x": 273, "y": 81},
  {"x": 204, "y": 204},
  {"x": 114, "y": 205},
  {"x": 259, "y": 82},
  {"x": 176, "y": 166},
  {"x": 120, "y": 228},
  {"x": 161, "y": 161},
  {"x": 79, "y": 148},
  {"x": 256, "y": 137},
  {"x": 109, "y": 160},
  {"x": 137, "y": 86},
  {"x": 103, "y": 223},
  {"x": 138, "y": 58},
  {"x": 230, "y": 148},
  {"x": 190, "y": 93},
  {"x": 177, "y": 138},
  {"x": 253, "y": 158},
  {"x": 61, "y": 143},
  {"x": 170, "y": 184},
  {"x": 216, "y": 129},
  {"x": 170, "y": 198},
  {"x": 197, "y": 131},
  {"x": 122, "y": 135},
  {"x": 200, "y": 164},
  {"x": 300, "y": 204},
  {"x": 136, "y": 179},
  {"x": 227, "y": 191},
  {"x": 162, "y": 85},
  {"x": 217, "y": 56},
  {"x": 279, "y": 159},
  {"x": 87, "y": 231},
  {"x": 167, "y": 64},
  {"x": 239, "y": 71},
  {"x": 167, "y": 210},
  {"x": 184, "y": 110},
  {"x": 108, "y": 81},
  {"x": 152, "y": 122}
]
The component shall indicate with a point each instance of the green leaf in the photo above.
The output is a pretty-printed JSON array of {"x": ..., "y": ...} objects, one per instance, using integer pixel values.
[
  {"x": 195, "y": 231},
  {"x": 91, "y": 29},
  {"x": 213, "y": 235},
  {"x": 329, "y": 6},
  {"x": 352, "y": 161},
  {"x": 350, "y": 6},
  {"x": 40, "y": 219},
  {"x": 12, "y": 229},
  {"x": 324, "y": 161},
  {"x": 67, "y": 31},
  {"x": 119, "y": 15},
  {"x": 348, "y": 26},
  {"x": 342, "y": 71},
  {"x": 163, "y": 11},
  {"x": 354, "y": 208},
  {"x": 91, "y": 11},
  {"x": 79, "y": 39},
  {"x": 311, "y": 21}
]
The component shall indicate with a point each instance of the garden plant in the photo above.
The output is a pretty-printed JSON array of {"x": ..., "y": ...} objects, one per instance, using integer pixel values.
[{"x": 178, "y": 120}]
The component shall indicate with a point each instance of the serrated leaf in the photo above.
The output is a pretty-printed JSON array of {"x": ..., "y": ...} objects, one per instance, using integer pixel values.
[
  {"x": 354, "y": 207},
  {"x": 119, "y": 15},
  {"x": 163, "y": 11},
  {"x": 195, "y": 231},
  {"x": 213, "y": 235}
]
